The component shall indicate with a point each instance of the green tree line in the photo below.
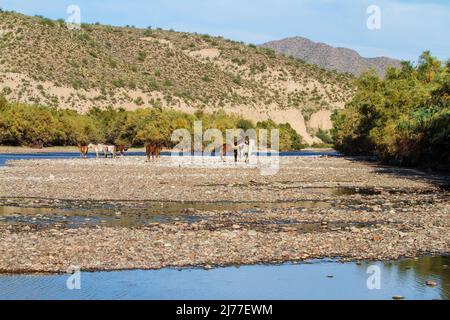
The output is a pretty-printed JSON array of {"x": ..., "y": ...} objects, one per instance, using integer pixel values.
[
  {"x": 403, "y": 119},
  {"x": 22, "y": 125}
]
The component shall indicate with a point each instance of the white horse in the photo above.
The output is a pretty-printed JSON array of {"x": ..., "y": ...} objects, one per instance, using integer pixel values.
[
  {"x": 244, "y": 149},
  {"x": 105, "y": 149}
]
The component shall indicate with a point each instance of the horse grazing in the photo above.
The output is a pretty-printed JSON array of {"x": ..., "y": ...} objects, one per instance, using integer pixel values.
[
  {"x": 153, "y": 150},
  {"x": 105, "y": 149},
  {"x": 121, "y": 149},
  {"x": 83, "y": 150}
]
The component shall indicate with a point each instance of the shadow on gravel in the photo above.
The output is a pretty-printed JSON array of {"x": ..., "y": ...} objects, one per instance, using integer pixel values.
[{"x": 439, "y": 178}]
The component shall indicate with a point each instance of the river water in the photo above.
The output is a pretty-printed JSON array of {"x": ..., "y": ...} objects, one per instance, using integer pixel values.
[
  {"x": 70, "y": 155},
  {"x": 319, "y": 279},
  {"x": 309, "y": 280}
]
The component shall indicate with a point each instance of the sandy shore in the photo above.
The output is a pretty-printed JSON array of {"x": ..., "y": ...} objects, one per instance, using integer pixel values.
[{"x": 352, "y": 210}]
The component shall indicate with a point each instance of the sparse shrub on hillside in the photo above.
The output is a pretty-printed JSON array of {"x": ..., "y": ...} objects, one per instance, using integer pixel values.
[
  {"x": 6, "y": 91},
  {"x": 119, "y": 83},
  {"x": 141, "y": 56},
  {"x": 206, "y": 78},
  {"x": 84, "y": 37},
  {"x": 112, "y": 63},
  {"x": 258, "y": 68},
  {"x": 132, "y": 84},
  {"x": 153, "y": 85},
  {"x": 237, "y": 80},
  {"x": 86, "y": 65},
  {"x": 77, "y": 84},
  {"x": 45, "y": 21},
  {"x": 139, "y": 101},
  {"x": 239, "y": 61},
  {"x": 168, "y": 83},
  {"x": 87, "y": 27}
]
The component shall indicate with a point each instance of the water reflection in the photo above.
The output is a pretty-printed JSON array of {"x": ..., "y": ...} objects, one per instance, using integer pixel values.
[
  {"x": 4, "y": 157},
  {"x": 151, "y": 212},
  {"x": 288, "y": 281}
]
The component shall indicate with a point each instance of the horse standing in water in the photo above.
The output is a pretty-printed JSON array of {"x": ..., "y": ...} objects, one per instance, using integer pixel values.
[
  {"x": 106, "y": 149},
  {"x": 121, "y": 149},
  {"x": 153, "y": 151},
  {"x": 83, "y": 150},
  {"x": 244, "y": 149},
  {"x": 241, "y": 150},
  {"x": 224, "y": 151}
]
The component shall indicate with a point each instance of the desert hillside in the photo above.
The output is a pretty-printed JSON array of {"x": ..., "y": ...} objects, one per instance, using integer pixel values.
[
  {"x": 330, "y": 58},
  {"x": 43, "y": 62}
]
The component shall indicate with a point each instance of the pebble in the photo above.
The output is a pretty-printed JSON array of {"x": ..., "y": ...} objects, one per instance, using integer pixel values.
[{"x": 431, "y": 283}]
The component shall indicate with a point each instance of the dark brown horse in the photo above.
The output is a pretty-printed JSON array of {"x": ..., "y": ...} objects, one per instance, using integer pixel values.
[
  {"x": 227, "y": 147},
  {"x": 153, "y": 150},
  {"x": 121, "y": 149},
  {"x": 83, "y": 150}
]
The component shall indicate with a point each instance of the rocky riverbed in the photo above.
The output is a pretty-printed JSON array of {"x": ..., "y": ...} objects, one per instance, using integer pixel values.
[{"x": 313, "y": 207}]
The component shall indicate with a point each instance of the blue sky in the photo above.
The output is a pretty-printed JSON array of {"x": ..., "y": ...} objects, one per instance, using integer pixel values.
[{"x": 407, "y": 27}]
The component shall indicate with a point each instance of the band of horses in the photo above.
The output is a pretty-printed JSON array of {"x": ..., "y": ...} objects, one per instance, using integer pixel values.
[{"x": 241, "y": 149}]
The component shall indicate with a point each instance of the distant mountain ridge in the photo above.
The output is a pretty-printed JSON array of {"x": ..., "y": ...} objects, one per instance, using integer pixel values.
[{"x": 331, "y": 58}]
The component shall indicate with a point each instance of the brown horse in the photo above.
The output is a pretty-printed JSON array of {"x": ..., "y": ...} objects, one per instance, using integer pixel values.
[
  {"x": 121, "y": 149},
  {"x": 224, "y": 151},
  {"x": 83, "y": 150},
  {"x": 227, "y": 147},
  {"x": 153, "y": 150}
]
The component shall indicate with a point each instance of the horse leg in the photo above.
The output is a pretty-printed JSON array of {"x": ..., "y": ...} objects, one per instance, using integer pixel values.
[{"x": 223, "y": 154}]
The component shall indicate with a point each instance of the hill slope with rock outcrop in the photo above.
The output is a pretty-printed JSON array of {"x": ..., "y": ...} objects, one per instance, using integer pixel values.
[{"x": 43, "y": 62}]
